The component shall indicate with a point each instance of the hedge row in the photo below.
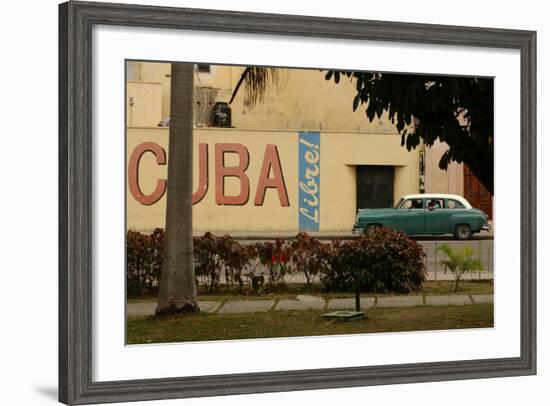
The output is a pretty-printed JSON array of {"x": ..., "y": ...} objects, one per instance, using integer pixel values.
[{"x": 386, "y": 260}]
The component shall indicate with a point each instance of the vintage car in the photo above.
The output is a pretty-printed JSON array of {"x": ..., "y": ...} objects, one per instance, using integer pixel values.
[{"x": 420, "y": 214}]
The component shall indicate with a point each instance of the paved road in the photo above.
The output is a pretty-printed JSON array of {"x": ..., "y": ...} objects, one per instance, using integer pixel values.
[
  {"x": 307, "y": 302},
  {"x": 481, "y": 236},
  {"x": 324, "y": 236}
]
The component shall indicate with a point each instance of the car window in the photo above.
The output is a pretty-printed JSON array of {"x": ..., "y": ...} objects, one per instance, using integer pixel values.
[
  {"x": 399, "y": 203},
  {"x": 412, "y": 204},
  {"x": 435, "y": 203},
  {"x": 454, "y": 204}
]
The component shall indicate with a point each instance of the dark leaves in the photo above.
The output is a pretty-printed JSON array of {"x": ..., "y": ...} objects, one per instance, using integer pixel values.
[
  {"x": 387, "y": 260},
  {"x": 442, "y": 104}
]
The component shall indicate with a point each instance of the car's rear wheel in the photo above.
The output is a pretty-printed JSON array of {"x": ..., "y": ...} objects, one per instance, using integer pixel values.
[{"x": 463, "y": 232}]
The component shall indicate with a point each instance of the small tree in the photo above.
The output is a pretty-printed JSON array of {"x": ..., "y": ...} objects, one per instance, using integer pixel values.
[
  {"x": 384, "y": 261},
  {"x": 235, "y": 260},
  {"x": 143, "y": 261},
  {"x": 208, "y": 263},
  {"x": 308, "y": 256},
  {"x": 251, "y": 264},
  {"x": 275, "y": 257},
  {"x": 460, "y": 262}
]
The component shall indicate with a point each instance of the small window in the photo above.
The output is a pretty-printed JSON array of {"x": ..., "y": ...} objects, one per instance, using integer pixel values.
[
  {"x": 203, "y": 68},
  {"x": 399, "y": 203},
  {"x": 412, "y": 204},
  {"x": 454, "y": 204},
  {"x": 435, "y": 204}
]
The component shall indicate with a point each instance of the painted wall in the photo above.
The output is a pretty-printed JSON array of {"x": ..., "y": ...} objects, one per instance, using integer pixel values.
[
  {"x": 143, "y": 104},
  {"x": 160, "y": 73},
  {"x": 304, "y": 100},
  {"x": 439, "y": 181},
  {"x": 334, "y": 139},
  {"x": 339, "y": 152},
  {"x": 301, "y": 99},
  {"x": 221, "y": 78}
]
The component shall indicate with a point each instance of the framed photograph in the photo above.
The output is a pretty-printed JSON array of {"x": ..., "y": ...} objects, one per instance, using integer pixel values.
[{"x": 260, "y": 202}]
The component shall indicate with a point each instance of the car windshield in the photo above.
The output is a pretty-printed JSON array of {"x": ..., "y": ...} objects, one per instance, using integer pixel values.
[{"x": 398, "y": 204}]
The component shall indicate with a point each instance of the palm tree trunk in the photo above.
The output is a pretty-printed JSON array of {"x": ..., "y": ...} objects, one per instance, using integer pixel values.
[{"x": 177, "y": 290}]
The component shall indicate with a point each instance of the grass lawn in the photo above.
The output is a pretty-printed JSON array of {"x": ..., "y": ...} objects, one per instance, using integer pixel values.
[
  {"x": 204, "y": 327},
  {"x": 290, "y": 291}
]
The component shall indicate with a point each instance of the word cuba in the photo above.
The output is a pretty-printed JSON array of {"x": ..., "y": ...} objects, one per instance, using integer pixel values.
[{"x": 270, "y": 177}]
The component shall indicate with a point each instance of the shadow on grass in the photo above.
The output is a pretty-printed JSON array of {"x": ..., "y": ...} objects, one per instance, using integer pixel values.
[{"x": 271, "y": 324}]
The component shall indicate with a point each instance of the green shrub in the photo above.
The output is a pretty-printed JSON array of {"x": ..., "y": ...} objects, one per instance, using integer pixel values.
[
  {"x": 344, "y": 261},
  {"x": 214, "y": 258},
  {"x": 144, "y": 254},
  {"x": 384, "y": 261},
  {"x": 308, "y": 256},
  {"x": 208, "y": 262},
  {"x": 275, "y": 256},
  {"x": 236, "y": 260}
]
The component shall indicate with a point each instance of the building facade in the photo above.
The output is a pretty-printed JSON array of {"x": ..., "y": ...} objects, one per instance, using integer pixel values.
[{"x": 298, "y": 160}]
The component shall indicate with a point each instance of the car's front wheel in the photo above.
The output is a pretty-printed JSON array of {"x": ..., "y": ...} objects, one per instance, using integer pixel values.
[
  {"x": 371, "y": 229},
  {"x": 463, "y": 232}
]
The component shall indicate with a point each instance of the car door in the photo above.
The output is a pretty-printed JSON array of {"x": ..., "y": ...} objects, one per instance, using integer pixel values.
[
  {"x": 436, "y": 216},
  {"x": 410, "y": 216},
  {"x": 458, "y": 213}
]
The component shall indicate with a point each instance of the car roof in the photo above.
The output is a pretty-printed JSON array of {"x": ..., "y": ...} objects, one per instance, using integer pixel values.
[{"x": 439, "y": 196}]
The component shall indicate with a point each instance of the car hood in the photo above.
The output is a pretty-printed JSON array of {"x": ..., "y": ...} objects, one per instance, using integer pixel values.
[{"x": 375, "y": 212}]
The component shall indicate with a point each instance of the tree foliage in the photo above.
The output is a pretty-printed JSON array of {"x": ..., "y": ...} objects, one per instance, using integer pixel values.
[
  {"x": 457, "y": 110},
  {"x": 256, "y": 79},
  {"x": 385, "y": 260},
  {"x": 309, "y": 256}
]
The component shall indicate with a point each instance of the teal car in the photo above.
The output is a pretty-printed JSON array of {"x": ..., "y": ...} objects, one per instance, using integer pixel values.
[{"x": 422, "y": 214}]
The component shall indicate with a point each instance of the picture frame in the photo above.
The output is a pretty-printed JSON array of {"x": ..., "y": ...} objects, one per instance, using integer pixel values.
[{"x": 76, "y": 21}]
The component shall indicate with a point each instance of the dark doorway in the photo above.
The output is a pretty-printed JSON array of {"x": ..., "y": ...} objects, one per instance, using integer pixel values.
[
  {"x": 476, "y": 194},
  {"x": 374, "y": 186}
]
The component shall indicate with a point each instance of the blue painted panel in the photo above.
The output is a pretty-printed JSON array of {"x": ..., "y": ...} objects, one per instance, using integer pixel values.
[{"x": 309, "y": 181}]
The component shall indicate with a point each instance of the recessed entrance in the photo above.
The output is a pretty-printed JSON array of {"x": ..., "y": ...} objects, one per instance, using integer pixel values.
[{"x": 374, "y": 186}]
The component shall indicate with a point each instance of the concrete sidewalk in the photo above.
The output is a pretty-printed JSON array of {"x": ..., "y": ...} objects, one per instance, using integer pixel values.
[
  {"x": 307, "y": 302},
  {"x": 329, "y": 235}
]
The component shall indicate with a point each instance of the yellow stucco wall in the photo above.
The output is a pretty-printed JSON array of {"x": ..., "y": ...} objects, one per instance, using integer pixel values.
[
  {"x": 222, "y": 78},
  {"x": 160, "y": 73},
  {"x": 304, "y": 100},
  {"x": 301, "y": 100},
  {"x": 143, "y": 104},
  {"x": 340, "y": 152},
  {"x": 439, "y": 181}
]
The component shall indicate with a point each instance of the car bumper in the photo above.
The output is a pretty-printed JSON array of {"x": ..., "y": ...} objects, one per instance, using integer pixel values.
[
  {"x": 486, "y": 227},
  {"x": 357, "y": 230}
]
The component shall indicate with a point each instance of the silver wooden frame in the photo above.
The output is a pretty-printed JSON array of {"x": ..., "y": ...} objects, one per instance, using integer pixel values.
[{"x": 76, "y": 20}]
